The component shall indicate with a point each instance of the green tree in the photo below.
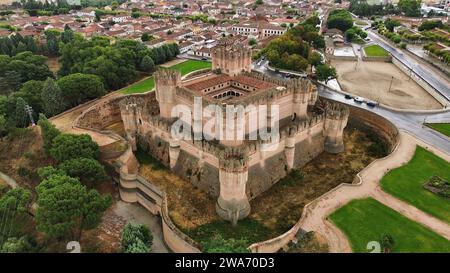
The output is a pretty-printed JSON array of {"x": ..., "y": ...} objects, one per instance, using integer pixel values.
[
  {"x": 411, "y": 8},
  {"x": 136, "y": 238},
  {"x": 77, "y": 88},
  {"x": 3, "y": 125},
  {"x": 66, "y": 208},
  {"x": 31, "y": 93},
  {"x": 51, "y": 96},
  {"x": 49, "y": 132},
  {"x": 147, "y": 64},
  {"x": 340, "y": 19},
  {"x": 325, "y": 72},
  {"x": 21, "y": 116},
  {"x": 69, "y": 146},
  {"x": 218, "y": 244},
  {"x": 16, "y": 245},
  {"x": 88, "y": 170},
  {"x": 146, "y": 37},
  {"x": 387, "y": 242},
  {"x": 14, "y": 205}
]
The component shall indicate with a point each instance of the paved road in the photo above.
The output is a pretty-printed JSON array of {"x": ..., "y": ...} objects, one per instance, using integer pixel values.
[
  {"x": 411, "y": 122},
  {"x": 440, "y": 85}
]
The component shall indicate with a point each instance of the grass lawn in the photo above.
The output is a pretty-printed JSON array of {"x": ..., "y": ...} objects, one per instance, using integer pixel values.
[
  {"x": 443, "y": 128},
  {"x": 366, "y": 220},
  {"x": 191, "y": 65},
  {"x": 375, "y": 51},
  {"x": 407, "y": 182},
  {"x": 149, "y": 83}
]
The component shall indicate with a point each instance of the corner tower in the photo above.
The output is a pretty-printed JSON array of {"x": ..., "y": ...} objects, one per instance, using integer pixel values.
[
  {"x": 336, "y": 116},
  {"x": 166, "y": 82}
]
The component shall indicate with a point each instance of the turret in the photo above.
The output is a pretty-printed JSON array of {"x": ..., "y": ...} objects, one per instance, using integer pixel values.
[
  {"x": 166, "y": 82},
  {"x": 131, "y": 112},
  {"x": 231, "y": 59},
  {"x": 336, "y": 116},
  {"x": 304, "y": 94},
  {"x": 232, "y": 204}
]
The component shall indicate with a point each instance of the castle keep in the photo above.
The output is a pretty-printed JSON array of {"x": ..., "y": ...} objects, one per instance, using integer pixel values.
[{"x": 234, "y": 170}]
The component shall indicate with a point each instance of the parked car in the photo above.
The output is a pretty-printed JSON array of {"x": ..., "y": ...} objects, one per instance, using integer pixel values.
[
  {"x": 348, "y": 97},
  {"x": 372, "y": 103},
  {"x": 358, "y": 99},
  {"x": 204, "y": 59}
]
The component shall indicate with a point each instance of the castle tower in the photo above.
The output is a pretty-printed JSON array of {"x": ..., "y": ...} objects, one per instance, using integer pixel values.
[
  {"x": 131, "y": 111},
  {"x": 166, "y": 82},
  {"x": 231, "y": 59},
  {"x": 289, "y": 148},
  {"x": 232, "y": 204},
  {"x": 336, "y": 116},
  {"x": 305, "y": 93}
]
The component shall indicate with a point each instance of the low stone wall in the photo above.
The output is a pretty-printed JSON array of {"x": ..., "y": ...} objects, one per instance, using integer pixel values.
[
  {"x": 420, "y": 81},
  {"x": 360, "y": 118},
  {"x": 342, "y": 58},
  {"x": 176, "y": 240}
]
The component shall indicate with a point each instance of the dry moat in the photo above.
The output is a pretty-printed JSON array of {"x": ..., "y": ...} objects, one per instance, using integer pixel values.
[{"x": 276, "y": 210}]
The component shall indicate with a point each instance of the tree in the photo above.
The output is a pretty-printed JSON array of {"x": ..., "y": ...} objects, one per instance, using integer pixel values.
[
  {"x": 49, "y": 132},
  {"x": 66, "y": 208},
  {"x": 147, "y": 64},
  {"x": 340, "y": 19},
  {"x": 146, "y": 37},
  {"x": 3, "y": 125},
  {"x": 325, "y": 72},
  {"x": 88, "y": 170},
  {"x": 21, "y": 115},
  {"x": 387, "y": 242},
  {"x": 218, "y": 244},
  {"x": 411, "y": 8},
  {"x": 15, "y": 204},
  {"x": 69, "y": 146},
  {"x": 77, "y": 88},
  {"x": 252, "y": 41},
  {"x": 136, "y": 238},
  {"x": 16, "y": 245},
  {"x": 52, "y": 100},
  {"x": 31, "y": 93},
  {"x": 315, "y": 59}
]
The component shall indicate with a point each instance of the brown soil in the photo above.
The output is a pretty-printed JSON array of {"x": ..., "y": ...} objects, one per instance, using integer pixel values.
[
  {"x": 53, "y": 64},
  {"x": 189, "y": 207},
  {"x": 312, "y": 242},
  {"x": 22, "y": 155},
  {"x": 373, "y": 79}
]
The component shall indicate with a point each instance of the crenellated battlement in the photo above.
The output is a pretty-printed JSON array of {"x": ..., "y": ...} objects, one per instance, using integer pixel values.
[
  {"x": 233, "y": 159},
  {"x": 167, "y": 77},
  {"x": 336, "y": 111}
]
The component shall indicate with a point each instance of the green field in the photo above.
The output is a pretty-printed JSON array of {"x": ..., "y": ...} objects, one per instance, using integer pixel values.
[
  {"x": 366, "y": 220},
  {"x": 407, "y": 182},
  {"x": 375, "y": 51},
  {"x": 191, "y": 65},
  {"x": 149, "y": 83},
  {"x": 443, "y": 128}
]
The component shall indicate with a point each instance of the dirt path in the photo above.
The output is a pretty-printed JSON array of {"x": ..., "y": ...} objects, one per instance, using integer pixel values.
[{"x": 316, "y": 214}]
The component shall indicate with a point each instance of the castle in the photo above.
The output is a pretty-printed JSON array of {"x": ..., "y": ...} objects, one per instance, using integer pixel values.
[{"x": 238, "y": 168}]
